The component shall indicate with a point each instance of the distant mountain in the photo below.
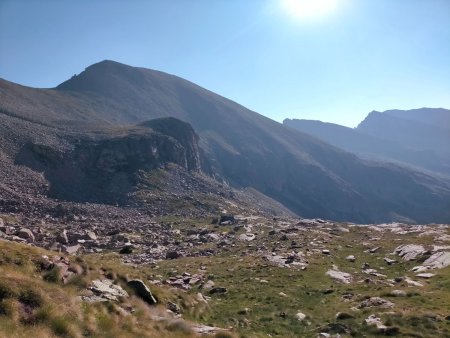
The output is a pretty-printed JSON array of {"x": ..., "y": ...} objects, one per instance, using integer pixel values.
[
  {"x": 407, "y": 132},
  {"x": 437, "y": 117},
  {"x": 367, "y": 145},
  {"x": 237, "y": 145}
]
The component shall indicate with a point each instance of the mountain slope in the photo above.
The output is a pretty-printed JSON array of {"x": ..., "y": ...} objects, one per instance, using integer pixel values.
[
  {"x": 370, "y": 146},
  {"x": 245, "y": 148}
]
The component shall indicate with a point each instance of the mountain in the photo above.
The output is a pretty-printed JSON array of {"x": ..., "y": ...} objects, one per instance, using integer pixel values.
[
  {"x": 236, "y": 145},
  {"x": 367, "y": 145},
  {"x": 437, "y": 117},
  {"x": 407, "y": 132}
]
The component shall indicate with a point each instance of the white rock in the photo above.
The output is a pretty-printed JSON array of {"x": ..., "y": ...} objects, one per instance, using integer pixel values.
[
  {"x": 411, "y": 282},
  {"x": 247, "y": 237},
  {"x": 350, "y": 258},
  {"x": 409, "y": 252},
  {"x": 438, "y": 260},
  {"x": 340, "y": 276},
  {"x": 300, "y": 316},
  {"x": 426, "y": 275}
]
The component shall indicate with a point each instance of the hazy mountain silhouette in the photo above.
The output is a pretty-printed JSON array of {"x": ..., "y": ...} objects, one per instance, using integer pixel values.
[
  {"x": 437, "y": 117},
  {"x": 307, "y": 175},
  {"x": 407, "y": 132},
  {"x": 367, "y": 145}
]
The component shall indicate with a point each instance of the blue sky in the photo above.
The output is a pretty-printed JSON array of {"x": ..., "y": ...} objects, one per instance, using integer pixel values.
[{"x": 364, "y": 55}]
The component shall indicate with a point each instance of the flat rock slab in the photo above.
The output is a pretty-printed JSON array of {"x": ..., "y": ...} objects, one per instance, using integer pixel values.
[
  {"x": 104, "y": 290},
  {"x": 339, "y": 276},
  {"x": 438, "y": 260},
  {"x": 375, "y": 302},
  {"x": 410, "y": 252}
]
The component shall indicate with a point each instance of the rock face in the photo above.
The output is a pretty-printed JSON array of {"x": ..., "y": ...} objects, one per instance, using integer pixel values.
[
  {"x": 142, "y": 291},
  {"x": 103, "y": 168}
]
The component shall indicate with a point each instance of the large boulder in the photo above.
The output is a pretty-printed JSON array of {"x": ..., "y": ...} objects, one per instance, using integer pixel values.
[
  {"x": 410, "y": 252},
  {"x": 339, "y": 276},
  {"x": 142, "y": 291},
  {"x": 105, "y": 290},
  {"x": 26, "y": 234}
]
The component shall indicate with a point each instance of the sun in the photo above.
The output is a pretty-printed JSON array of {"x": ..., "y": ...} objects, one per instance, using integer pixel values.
[{"x": 309, "y": 8}]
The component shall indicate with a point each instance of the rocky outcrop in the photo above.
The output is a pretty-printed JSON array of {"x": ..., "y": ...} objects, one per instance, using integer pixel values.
[{"x": 104, "y": 168}]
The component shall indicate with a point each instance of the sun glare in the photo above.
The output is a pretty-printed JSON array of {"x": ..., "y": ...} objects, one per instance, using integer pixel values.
[{"x": 309, "y": 8}]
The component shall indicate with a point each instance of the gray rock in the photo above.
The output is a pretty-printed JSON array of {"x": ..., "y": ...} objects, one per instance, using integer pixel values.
[
  {"x": 300, "y": 316},
  {"x": 340, "y": 276},
  {"x": 247, "y": 237},
  {"x": 438, "y": 260},
  {"x": 72, "y": 250},
  {"x": 410, "y": 252},
  {"x": 389, "y": 261},
  {"x": 218, "y": 290},
  {"x": 105, "y": 290},
  {"x": 343, "y": 316},
  {"x": 397, "y": 293},
  {"x": 209, "y": 285},
  {"x": 350, "y": 258},
  {"x": 142, "y": 291},
  {"x": 172, "y": 255},
  {"x": 26, "y": 234},
  {"x": 425, "y": 275},
  {"x": 62, "y": 237},
  {"x": 375, "y": 302},
  {"x": 173, "y": 307}
]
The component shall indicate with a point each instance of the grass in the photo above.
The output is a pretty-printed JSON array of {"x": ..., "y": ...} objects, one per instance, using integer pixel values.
[
  {"x": 261, "y": 299},
  {"x": 32, "y": 304}
]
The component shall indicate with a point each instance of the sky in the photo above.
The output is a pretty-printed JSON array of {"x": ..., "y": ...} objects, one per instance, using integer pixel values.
[{"x": 329, "y": 60}]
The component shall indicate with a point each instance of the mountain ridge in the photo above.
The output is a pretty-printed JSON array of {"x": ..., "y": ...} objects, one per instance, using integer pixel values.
[{"x": 307, "y": 175}]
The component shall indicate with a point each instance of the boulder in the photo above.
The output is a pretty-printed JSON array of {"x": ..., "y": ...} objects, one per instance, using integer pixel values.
[
  {"x": 389, "y": 261},
  {"x": 247, "y": 237},
  {"x": 172, "y": 255},
  {"x": 62, "y": 237},
  {"x": 173, "y": 307},
  {"x": 410, "y": 252},
  {"x": 300, "y": 316},
  {"x": 218, "y": 290},
  {"x": 26, "y": 234},
  {"x": 425, "y": 275},
  {"x": 375, "y": 302},
  {"x": 105, "y": 290},
  {"x": 340, "y": 276},
  {"x": 227, "y": 220},
  {"x": 142, "y": 291},
  {"x": 397, "y": 293},
  {"x": 350, "y": 258},
  {"x": 343, "y": 316},
  {"x": 72, "y": 250},
  {"x": 438, "y": 260}
]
